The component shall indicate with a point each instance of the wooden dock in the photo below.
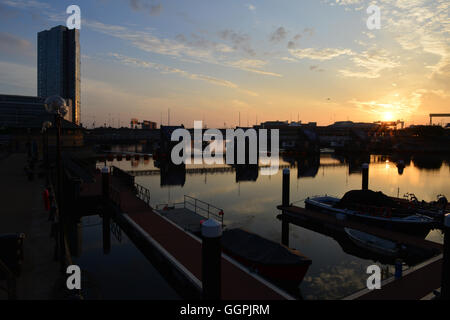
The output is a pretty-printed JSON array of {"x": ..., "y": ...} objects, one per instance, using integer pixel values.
[
  {"x": 416, "y": 283},
  {"x": 187, "y": 219},
  {"x": 180, "y": 249}
]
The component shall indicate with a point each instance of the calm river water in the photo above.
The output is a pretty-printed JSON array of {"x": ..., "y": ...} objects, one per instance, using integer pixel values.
[{"x": 249, "y": 201}]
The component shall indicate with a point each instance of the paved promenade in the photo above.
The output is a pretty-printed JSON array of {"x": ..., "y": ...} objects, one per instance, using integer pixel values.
[{"x": 22, "y": 210}]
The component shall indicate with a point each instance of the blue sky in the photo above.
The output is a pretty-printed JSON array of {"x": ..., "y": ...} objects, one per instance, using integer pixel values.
[{"x": 209, "y": 60}]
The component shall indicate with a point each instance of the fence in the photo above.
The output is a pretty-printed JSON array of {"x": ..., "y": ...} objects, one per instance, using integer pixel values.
[
  {"x": 198, "y": 206},
  {"x": 203, "y": 208},
  {"x": 142, "y": 193}
]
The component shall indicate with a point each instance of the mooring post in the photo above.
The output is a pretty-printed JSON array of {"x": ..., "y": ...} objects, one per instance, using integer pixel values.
[
  {"x": 285, "y": 203},
  {"x": 211, "y": 260},
  {"x": 445, "y": 285},
  {"x": 105, "y": 183},
  {"x": 106, "y": 216},
  {"x": 365, "y": 176}
]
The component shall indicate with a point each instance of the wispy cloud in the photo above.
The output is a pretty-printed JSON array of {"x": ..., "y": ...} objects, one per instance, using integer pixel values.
[
  {"x": 239, "y": 41},
  {"x": 164, "y": 69},
  {"x": 372, "y": 62},
  {"x": 26, "y": 4},
  {"x": 150, "y": 7},
  {"x": 422, "y": 26},
  {"x": 319, "y": 54},
  {"x": 278, "y": 35},
  {"x": 10, "y": 43},
  {"x": 252, "y": 65}
]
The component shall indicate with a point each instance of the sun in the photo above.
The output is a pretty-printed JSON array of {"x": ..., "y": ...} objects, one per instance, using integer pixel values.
[{"x": 388, "y": 116}]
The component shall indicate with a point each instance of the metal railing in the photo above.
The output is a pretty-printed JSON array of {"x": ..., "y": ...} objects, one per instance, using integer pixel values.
[
  {"x": 142, "y": 193},
  {"x": 203, "y": 208}
]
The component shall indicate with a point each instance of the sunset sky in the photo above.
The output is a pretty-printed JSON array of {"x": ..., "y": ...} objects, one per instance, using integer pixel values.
[{"x": 315, "y": 60}]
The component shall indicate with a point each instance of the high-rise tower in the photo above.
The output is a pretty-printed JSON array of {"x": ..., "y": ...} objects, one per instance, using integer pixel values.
[{"x": 59, "y": 66}]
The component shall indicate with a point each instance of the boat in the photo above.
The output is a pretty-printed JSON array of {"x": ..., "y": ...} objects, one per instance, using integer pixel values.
[
  {"x": 373, "y": 243},
  {"x": 434, "y": 209},
  {"x": 269, "y": 259},
  {"x": 374, "y": 208}
]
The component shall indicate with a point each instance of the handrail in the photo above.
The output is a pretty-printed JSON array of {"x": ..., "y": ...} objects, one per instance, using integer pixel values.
[
  {"x": 67, "y": 258},
  {"x": 143, "y": 193},
  {"x": 209, "y": 210}
]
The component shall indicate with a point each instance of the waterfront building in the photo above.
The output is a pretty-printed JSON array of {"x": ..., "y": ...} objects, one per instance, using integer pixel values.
[
  {"x": 16, "y": 110},
  {"x": 59, "y": 66}
]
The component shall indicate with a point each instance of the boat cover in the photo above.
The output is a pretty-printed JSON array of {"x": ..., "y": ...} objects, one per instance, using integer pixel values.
[
  {"x": 258, "y": 249},
  {"x": 366, "y": 197}
]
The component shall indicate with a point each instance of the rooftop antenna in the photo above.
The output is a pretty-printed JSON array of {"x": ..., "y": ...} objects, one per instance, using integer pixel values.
[
  {"x": 239, "y": 118},
  {"x": 168, "y": 116},
  {"x": 160, "y": 124}
]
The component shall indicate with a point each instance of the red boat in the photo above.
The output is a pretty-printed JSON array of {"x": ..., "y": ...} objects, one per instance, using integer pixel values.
[{"x": 269, "y": 259}]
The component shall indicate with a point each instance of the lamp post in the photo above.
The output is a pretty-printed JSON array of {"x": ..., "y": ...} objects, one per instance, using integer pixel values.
[{"x": 57, "y": 106}]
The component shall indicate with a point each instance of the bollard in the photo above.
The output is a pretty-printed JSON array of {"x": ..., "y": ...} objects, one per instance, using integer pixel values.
[
  {"x": 105, "y": 182},
  {"x": 398, "y": 269},
  {"x": 365, "y": 176},
  {"x": 211, "y": 260},
  {"x": 445, "y": 282},
  {"x": 106, "y": 227},
  {"x": 286, "y": 174},
  {"x": 285, "y": 203}
]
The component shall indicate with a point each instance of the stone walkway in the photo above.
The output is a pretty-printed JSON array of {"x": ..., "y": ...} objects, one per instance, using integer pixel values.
[{"x": 22, "y": 210}]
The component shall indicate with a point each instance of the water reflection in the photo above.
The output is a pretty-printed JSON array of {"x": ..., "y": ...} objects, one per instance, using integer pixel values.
[
  {"x": 249, "y": 200},
  {"x": 122, "y": 273}
]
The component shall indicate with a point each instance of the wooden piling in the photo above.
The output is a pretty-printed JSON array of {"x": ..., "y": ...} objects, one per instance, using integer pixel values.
[
  {"x": 445, "y": 286},
  {"x": 365, "y": 176},
  {"x": 106, "y": 216},
  {"x": 211, "y": 260},
  {"x": 285, "y": 203}
]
